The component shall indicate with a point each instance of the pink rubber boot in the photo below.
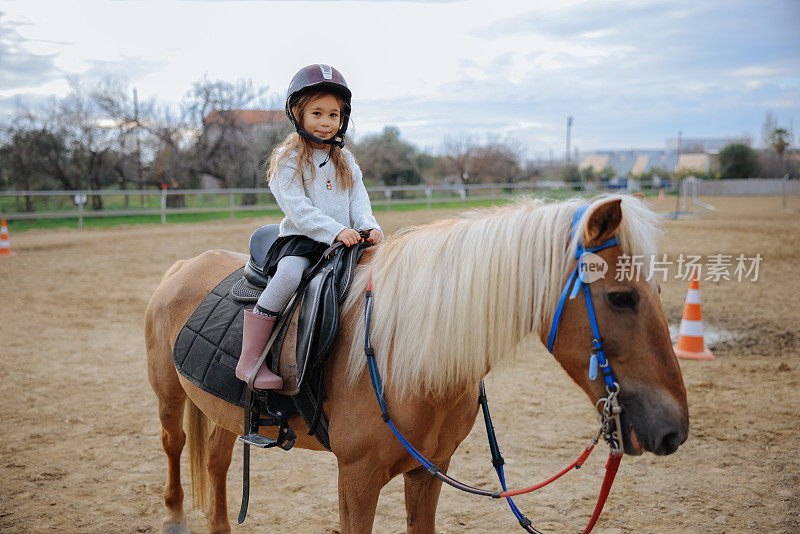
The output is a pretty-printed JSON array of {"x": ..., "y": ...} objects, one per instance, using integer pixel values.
[{"x": 256, "y": 332}]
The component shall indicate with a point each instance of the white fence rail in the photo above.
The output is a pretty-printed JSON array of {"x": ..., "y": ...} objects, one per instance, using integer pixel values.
[{"x": 73, "y": 204}]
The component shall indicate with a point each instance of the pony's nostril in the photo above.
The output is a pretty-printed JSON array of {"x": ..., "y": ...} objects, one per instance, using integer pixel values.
[{"x": 669, "y": 443}]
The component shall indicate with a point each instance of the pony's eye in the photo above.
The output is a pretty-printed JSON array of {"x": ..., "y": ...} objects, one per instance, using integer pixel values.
[{"x": 623, "y": 299}]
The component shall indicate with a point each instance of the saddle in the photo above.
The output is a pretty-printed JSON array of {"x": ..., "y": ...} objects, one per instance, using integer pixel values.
[
  {"x": 310, "y": 321},
  {"x": 207, "y": 348}
]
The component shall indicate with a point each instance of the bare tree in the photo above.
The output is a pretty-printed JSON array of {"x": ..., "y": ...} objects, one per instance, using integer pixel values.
[
  {"x": 224, "y": 146},
  {"x": 495, "y": 162},
  {"x": 78, "y": 120},
  {"x": 206, "y": 135},
  {"x": 460, "y": 152},
  {"x": 64, "y": 144},
  {"x": 22, "y": 156},
  {"x": 769, "y": 125}
]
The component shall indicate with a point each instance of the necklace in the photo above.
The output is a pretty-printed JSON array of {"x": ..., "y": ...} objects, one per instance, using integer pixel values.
[{"x": 327, "y": 173}]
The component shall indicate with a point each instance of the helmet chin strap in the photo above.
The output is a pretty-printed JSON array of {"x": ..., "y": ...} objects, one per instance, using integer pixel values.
[
  {"x": 333, "y": 141},
  {"x": 314, "y": 139}
]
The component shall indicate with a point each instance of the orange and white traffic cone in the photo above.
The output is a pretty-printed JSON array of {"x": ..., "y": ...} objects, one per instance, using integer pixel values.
[
  {"x": 5, "y": 246},
  {"x": 690, "y": 339},
  {"x": 661, "y": 196}
]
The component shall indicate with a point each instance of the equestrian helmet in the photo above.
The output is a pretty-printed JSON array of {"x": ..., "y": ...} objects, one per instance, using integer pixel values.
[{"x": 315, "y": 77}]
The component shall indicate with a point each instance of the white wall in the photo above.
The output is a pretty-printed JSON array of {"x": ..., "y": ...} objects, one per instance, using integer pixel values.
[{"x": 748, "y": 186}]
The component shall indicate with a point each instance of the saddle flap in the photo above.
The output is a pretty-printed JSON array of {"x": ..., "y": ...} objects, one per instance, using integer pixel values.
[
  {"x": 283, "y": 354},
  {"x": 315, "y": 317},
  {"x": 345, "y": 269}
]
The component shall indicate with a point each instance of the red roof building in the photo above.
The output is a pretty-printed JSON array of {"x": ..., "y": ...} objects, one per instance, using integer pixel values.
[{"x": 246, "y": 117}]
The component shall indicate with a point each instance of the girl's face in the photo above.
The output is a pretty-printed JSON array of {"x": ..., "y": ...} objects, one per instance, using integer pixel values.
[{"x": 322, "y": 117}]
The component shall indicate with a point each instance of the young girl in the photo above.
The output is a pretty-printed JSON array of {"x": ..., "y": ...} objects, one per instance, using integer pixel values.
[{"x": 318, "y": 186}]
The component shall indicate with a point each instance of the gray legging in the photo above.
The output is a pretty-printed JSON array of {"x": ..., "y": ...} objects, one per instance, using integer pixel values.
[{"x": 284, "y": 283}]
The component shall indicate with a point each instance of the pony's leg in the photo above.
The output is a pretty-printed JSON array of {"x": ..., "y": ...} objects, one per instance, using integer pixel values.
[
  {"x": 170, "y": 411},
  {"x": 360, "y": 484},
  {"x": 219, "y": 459},
  {"x": 422, "y": 496}
]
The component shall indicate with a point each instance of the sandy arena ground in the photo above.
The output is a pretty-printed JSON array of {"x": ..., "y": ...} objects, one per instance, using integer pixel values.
[{"x": 80, "y": 446}]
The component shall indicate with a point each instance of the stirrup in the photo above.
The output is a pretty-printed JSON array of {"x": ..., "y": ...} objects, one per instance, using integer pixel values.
[
  {"x": 257, "y": 440},
  {"x": 253, "y": 420}
]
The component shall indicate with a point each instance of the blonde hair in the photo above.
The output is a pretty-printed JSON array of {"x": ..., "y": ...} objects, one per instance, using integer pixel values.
[
  {"x": 454, "y": 297},
  {"x": 296, "y": 146}
]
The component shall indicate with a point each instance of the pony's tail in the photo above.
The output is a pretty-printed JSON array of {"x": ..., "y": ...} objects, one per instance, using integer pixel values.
[{"x": 198, "y": 429}]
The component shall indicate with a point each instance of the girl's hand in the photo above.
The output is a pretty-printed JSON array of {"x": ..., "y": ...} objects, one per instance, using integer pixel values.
[
  {"x": 375, "y": 237},
  {"x": 349, "y": 237}
]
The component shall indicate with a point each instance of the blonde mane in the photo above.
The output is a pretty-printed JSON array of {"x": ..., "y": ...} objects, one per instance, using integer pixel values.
[{"x": 454, "y": 297}]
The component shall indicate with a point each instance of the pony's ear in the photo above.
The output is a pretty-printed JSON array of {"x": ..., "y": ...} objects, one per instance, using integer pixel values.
[{"x": 603, "y": 222}]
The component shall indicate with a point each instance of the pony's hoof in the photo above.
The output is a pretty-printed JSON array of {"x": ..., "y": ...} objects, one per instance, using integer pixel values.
[{"x": 176, "y": 527}]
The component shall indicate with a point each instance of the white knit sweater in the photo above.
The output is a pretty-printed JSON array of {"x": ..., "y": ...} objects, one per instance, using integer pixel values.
[{"x": 312, "y": 209}]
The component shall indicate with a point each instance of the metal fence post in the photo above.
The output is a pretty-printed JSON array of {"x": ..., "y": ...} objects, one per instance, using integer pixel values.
[
  {"x": 232, "y": 204},
  {"x": 428, "y": 198},
  {"x": 164, "y": 206},
  {"x": 388, "y": 195},
  {"x": 783, "y": 189},
  {"x": 80, "y": 199}
]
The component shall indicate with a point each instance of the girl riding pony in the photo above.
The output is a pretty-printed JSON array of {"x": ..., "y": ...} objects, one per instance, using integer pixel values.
[{"x": 319, "y": 188}]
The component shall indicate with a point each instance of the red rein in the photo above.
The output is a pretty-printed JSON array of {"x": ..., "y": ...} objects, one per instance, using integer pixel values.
[
  {"x": 612, "y": 466},
  {"x": 576, "y": 464}
]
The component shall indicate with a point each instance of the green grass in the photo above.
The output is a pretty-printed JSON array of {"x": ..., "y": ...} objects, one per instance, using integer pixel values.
[{"x": 122, "y": 220}]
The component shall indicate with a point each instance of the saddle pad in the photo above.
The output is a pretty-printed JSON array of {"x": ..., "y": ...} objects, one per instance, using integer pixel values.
[{"x": 208, "y": 346}]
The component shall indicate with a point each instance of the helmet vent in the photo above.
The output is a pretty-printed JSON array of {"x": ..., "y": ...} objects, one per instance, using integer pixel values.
[{"x": 327, "y": 71}]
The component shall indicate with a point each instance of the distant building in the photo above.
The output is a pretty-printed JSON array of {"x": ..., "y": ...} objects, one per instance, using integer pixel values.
[
  {"x": 250, "y": 120},
  {"x": 698, "y": 154},
  {"x": 704, "y": 145},
  {"x": 628, "y": 162}
]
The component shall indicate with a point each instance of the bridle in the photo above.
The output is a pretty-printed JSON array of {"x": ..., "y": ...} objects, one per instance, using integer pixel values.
[{"x": 608, "y": 407}]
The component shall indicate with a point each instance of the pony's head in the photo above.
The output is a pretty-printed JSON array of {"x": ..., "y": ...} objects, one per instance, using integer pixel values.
[
  {"x": 454, "y": 297},
  {"x": 632, "y": 325}
]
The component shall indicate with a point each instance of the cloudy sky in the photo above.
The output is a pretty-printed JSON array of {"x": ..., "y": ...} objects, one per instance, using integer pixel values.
[{"x": 631, "y": 73}]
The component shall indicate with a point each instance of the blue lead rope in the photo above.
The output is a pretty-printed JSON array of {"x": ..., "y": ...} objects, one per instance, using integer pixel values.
[{"x": 497, "y": 459}]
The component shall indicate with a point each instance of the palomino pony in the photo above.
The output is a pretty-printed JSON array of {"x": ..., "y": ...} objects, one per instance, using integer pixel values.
[{"x": 451, "y": 300}]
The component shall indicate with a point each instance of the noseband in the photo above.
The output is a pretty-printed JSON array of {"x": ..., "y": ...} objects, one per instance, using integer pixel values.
[{"x": 608, "y": 406}]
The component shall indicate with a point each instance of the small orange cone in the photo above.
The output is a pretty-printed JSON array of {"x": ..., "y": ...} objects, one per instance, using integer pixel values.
[
  {"x": 5, "y": 246},
  {"x": 661, "y": 196},
  {"x": 690, "y": 339}
]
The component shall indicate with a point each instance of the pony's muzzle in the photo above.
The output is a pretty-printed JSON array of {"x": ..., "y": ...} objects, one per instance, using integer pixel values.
[{"x": 660, "y": 426}]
